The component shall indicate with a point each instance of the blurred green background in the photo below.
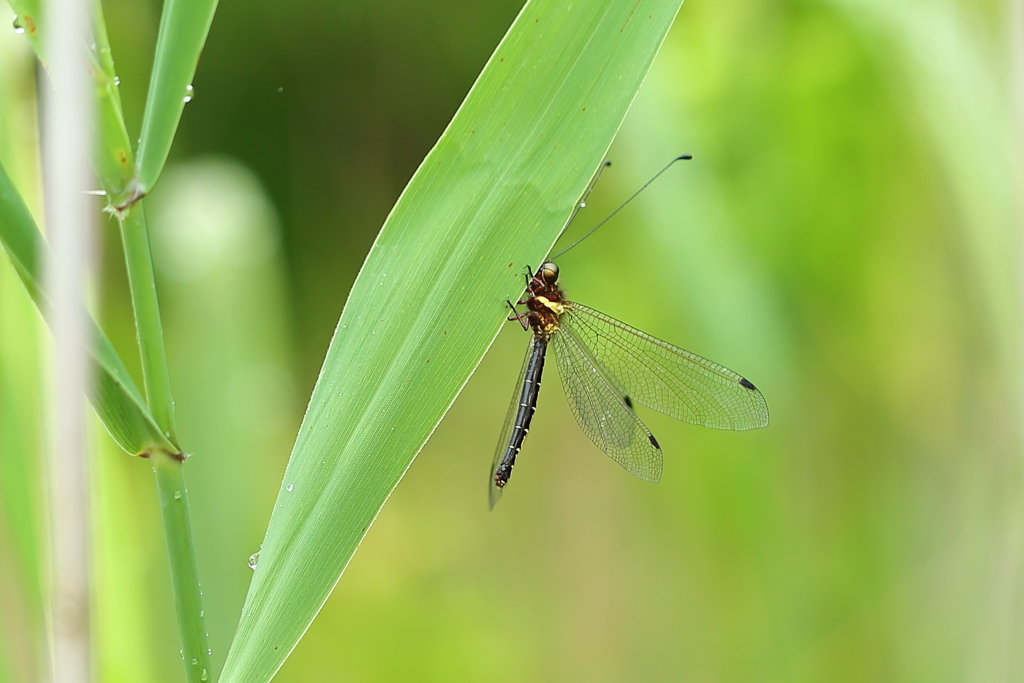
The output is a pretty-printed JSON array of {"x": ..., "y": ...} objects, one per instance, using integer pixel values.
[{"x": 847, "y": 236}]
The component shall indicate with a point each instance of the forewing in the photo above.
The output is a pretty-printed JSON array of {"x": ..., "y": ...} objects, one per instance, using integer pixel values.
[
  {"x": 664, "y": 377},
  {"x": 494, "y": 493},
  {"x": 602, "y": 412}
]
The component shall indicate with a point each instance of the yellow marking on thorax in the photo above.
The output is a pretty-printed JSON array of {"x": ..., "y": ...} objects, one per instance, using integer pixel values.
[{"x": 556, "y": 307}]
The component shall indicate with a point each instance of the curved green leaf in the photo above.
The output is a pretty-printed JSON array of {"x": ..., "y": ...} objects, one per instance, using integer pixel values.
[
  {"x": 116, "y": 398},
  {"x": 112, "y": 160},
  {"x": 491, "y": 197},
  {"x": 112, "y": 156},
  {"x": 184, "y": 25}
]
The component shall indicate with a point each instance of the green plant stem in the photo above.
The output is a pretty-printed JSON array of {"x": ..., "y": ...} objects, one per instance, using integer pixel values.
[
  {"x": 188, "y": 598},
  {"x": 139, "y": 261}
]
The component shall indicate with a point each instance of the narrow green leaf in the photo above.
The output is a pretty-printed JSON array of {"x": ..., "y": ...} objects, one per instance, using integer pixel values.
[
  {"x": 113, "y": 160},
  {"x": 184, "y": 25},
  {"x": 116, "y": 398},
  {"x": 491, "y": 197},
  {"x": 26, "y": 20}
]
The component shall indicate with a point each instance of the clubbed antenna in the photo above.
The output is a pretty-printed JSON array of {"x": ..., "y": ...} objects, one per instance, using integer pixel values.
[{"x": 582, "y": 203}]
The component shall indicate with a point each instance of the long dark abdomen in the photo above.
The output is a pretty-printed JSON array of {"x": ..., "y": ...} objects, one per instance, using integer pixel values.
[{"x": 527, "y": 406}]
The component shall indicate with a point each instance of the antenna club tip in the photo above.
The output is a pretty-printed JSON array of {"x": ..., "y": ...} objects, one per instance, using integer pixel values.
[{"x": 684, "y": 157}]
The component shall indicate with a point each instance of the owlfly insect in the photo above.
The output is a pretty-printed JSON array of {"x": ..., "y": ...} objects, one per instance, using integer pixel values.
[{"x": 606, "y": 366}]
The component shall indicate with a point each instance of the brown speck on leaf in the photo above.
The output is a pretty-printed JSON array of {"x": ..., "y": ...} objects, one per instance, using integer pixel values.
[
  {"x": 629, "y": 17},
  {"x": 30, "y": 24},
  {"x": 122, "y": 157}
]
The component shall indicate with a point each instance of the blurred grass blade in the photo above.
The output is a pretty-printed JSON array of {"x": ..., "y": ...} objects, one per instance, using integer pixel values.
[
  {"x": 116, "y": 398},
  {"x": 26, "y": 20},
  {"x": 491, "y": 197},
  {"x": 183, "y": 28}
]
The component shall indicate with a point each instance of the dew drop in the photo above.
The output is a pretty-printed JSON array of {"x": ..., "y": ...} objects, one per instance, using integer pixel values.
[
  {"x": 177, "y": 495},
  {"x": 181, "y": 653},
  {"x": 117, "y": 80},
  {"x": 289, "y": 487},
  {"x": 18, "y": 28},
  {"x": 254, "y": 560},
  {"x": 280, "y": 90},
  {"x": 204, "y": 676},
  {"x": 583, "y": 205},
  {"x": 188, "y": 94},
  {"x": 195, "y": 661},
  {"x": 202, "y": 613}
]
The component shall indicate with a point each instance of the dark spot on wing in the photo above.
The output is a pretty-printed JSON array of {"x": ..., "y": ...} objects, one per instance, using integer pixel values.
[
  {"x": 654, "y": 442},
  {"x": 629, "y": 402},
  {"x": 747, "y": 384}
]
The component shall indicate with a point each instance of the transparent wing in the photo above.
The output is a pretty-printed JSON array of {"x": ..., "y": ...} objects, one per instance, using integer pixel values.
[
  {"x": 494, "y": 493},
  {"x": 602, "y": 411},
  {"x": 664, "y": 377}
]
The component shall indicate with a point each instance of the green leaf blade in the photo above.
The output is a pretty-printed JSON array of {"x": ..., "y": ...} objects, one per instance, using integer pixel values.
[
  {"x": 491, "y": 197},
  {"x": 112, "y": 156},
  {"x": 116, "y": 398},
  {"x": 184, "y": 26},
  {"x": 26, "y": 19}
]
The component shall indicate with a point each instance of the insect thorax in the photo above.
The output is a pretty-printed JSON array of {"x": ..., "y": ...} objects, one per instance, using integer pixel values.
[{"x": 545, "y": 310}]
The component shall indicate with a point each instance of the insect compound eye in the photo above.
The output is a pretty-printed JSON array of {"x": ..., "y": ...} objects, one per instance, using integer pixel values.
[{"x": 549, "y": 272}]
